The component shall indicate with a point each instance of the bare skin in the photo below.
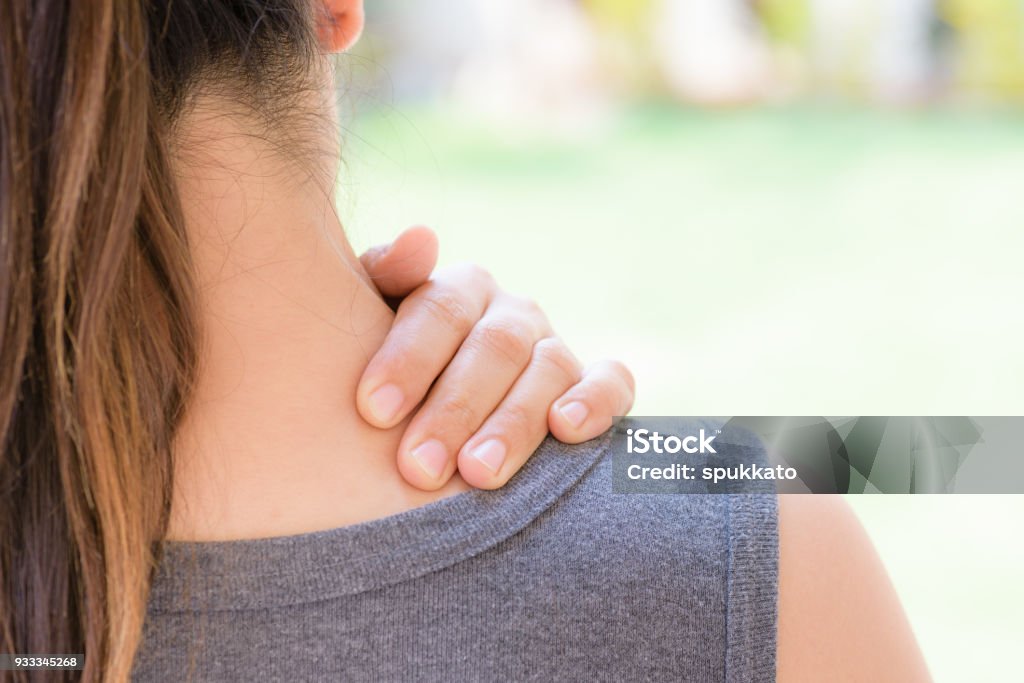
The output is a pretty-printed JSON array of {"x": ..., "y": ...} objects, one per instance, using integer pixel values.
[
  {"x": 839, "y": 616},
  {"x": 469, "y": 349},
  {"x": 273, "y": 443}
]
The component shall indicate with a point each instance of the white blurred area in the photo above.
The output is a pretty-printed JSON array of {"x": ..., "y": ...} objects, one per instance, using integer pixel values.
[
  {"x": 711, "y": 51},
  {"x": 547, "y": 76},
  {"x": 902, "y": 54},
  {"x": 561, "y": 64},
  {"x": 522, "y": 64}
]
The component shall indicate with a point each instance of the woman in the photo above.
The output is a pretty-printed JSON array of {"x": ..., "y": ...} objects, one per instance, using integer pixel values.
[{"x": 185, "y": 359}]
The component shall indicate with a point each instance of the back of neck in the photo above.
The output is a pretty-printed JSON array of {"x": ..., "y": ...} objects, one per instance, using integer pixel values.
[{"x": 272, "y": 443}]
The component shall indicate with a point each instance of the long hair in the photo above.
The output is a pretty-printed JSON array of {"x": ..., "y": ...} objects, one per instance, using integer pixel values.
[{"x": 98, "y": 331}]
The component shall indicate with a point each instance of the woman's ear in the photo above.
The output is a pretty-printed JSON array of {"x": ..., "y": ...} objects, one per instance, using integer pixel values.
[{"x": 341, "y": 24}]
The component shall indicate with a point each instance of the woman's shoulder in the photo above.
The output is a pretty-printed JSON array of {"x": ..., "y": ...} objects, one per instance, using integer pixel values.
[
  {"x": 694, "y": 564},
  {"x": 839, "y": 615},
  {"x": 680, "y": 517}
]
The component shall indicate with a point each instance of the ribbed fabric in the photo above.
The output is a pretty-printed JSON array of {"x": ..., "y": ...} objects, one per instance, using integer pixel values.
[{"x": 553, "y": 577}]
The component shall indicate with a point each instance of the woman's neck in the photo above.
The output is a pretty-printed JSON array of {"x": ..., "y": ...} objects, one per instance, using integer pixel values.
[{"x": 272, "y": 443}]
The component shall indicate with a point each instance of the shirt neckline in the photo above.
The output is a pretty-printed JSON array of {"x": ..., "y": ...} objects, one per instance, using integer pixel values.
[{"x": 290, "y": 570}]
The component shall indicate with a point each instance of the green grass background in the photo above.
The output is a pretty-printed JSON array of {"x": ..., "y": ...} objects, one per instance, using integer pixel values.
[{"x": 812, "y": 260}]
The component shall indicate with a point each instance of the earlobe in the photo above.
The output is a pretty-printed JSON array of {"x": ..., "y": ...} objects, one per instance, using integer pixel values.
[{"x": 341, "y": 24}]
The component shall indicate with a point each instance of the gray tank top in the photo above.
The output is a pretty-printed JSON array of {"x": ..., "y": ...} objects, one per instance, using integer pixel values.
[{"x": 552, "y": 578}]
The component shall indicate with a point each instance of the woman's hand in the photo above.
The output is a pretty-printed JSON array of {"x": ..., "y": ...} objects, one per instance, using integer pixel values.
[{"x": 495, "y": 377}]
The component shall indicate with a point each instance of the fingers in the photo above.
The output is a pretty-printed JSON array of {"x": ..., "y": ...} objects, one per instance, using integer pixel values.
[
  {"x": 516, "y": 428},
  {"x": 405, "y": 264},
  {"x": 491, "y": 360},
  {"x": 499, "y": 379},
  {"x": 431, "y": 325},
  {"x": 586, "y": 410}
]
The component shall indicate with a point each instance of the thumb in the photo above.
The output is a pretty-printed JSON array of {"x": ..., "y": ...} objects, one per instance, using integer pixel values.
[{"x": 405, "y": 264}]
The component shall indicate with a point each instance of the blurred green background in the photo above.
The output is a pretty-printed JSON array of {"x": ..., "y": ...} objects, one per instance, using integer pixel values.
[
  {"x": 802, "y": 261},
  {"x": 811, "y": 240}
]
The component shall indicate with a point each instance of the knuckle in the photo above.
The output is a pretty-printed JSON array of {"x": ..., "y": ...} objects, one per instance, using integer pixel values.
[
  {"x": 480, "y": 274},
  {"x": 620, "y": 370},
  {"x": 534, "y": 308},
  {"x": 610, "y": 388},
  {"x": 506, "y": 339},
  {"x": 392, "y": 363},
  {"x": 458, "y": 410},
  {"x": 529, "y": 306},
  {"x": 470, "y": 273},
  {"x": 517, "y": 419},
  {"x": 553, "y": 353},
  {"x": 448, "y": 309}
]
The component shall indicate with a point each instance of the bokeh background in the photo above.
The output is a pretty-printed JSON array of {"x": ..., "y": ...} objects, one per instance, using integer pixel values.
[{"x": 765, "y": 207}]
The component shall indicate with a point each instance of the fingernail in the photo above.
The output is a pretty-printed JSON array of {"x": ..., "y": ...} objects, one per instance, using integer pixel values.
[
  {"x": 432, "y": 457},
  {"x": 385, "y": 402},
  {"x": 491, "y": 453},
  {"x": 575, "y": 413}
]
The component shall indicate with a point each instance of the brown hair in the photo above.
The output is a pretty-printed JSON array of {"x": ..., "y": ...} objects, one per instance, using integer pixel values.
[{"x": 98, "y": 337}]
